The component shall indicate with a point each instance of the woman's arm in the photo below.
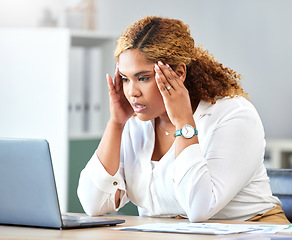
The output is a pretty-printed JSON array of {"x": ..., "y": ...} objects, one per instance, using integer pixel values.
[
  {"x": 109, "y": 148},
  {"x": 97, "y": 188},
  {"x": 206, "y": 182},
  {"x": 107, "y": 154},
  {"x": 108, "y": 151},
  {"x": 176, "y": 100}
]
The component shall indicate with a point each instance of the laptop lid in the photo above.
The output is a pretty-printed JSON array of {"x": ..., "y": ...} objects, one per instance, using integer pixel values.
[
  {"x": 28, "y": 194},
  {"x": 27, "y": 185}
]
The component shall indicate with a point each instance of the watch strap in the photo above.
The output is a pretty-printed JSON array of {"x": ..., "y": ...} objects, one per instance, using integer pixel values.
[{"x": 179, "y": 132}]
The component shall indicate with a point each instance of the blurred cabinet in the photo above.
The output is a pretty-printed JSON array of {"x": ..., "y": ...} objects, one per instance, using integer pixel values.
[
  {"x": 91, "y": 58},
  {"x": 278, "y": 153},
  {"x": 38, "y": 91}
]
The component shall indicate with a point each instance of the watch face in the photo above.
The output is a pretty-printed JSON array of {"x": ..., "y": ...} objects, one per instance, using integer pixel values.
[{"x": 188, "y": 131}]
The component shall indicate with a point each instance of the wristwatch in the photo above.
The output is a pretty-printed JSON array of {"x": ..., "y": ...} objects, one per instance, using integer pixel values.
[{"x": 186, "y": 131}]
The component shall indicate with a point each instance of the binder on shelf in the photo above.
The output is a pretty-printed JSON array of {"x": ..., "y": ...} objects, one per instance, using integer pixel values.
[
  {"x": 86, "y": 92},
  {"x": 96, "y": 92},
  {"x": 87, "y": 66},
  {"x": 76, "y": 98}
]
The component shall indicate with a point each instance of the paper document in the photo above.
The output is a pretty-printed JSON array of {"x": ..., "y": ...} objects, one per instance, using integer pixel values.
[
  {"x": 259, "y": 236},
  {"x": 208, "y": 228}
]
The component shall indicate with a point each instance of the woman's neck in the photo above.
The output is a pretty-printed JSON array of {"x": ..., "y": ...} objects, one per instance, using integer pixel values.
[{"x": 164, "y": 125}]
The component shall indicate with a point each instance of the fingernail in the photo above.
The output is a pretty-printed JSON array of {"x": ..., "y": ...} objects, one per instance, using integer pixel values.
[
  {"x": 156, "y": 66},
  {"x": 160, "y": 63},
  {"x": 167, "y": 65}
]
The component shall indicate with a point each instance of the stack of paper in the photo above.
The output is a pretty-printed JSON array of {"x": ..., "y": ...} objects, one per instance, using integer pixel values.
[{"x": 209, "y": 228}]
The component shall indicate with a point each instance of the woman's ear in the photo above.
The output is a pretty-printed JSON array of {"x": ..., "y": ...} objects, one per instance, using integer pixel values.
[{"x": 181, "y": 71}]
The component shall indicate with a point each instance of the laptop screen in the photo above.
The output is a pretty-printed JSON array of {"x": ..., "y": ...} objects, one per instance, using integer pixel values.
[{"x": 27, "y": 186}]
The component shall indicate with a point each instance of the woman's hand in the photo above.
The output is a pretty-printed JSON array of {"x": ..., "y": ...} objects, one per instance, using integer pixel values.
[
  {"x": 120, "y": 108},
  {"x": 175, "y": 95},
  {"x": 108, "y": 150}
]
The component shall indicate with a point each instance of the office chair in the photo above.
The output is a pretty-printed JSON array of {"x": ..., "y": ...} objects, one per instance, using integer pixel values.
[{"x": 281, "y": 185}]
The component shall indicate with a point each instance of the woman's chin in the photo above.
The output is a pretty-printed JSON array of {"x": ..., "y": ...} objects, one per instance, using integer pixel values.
[{"x": 142, "y": 117}]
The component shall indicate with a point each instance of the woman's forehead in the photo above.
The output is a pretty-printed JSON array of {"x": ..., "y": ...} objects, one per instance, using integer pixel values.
[{"x": 134, "y": 61}]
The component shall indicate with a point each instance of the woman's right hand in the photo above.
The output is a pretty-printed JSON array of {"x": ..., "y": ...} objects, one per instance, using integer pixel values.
[{"x": 120, "y": 108}]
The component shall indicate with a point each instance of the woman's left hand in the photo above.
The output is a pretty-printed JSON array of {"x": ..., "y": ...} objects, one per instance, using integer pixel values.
[{"x": 175, "y": 95}]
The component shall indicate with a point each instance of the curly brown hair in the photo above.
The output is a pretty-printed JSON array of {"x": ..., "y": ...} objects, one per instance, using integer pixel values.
[{"x": 170, "y": 41}]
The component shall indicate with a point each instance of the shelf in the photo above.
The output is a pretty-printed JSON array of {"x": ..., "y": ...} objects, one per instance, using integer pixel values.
[
  {"x": 279, "y": 153},
  {"x": 92, "y": 39},
  {"x": 92, "y": 34},
  {"x": 86, "y": 136},
  {"x": 91, "y": 58}
]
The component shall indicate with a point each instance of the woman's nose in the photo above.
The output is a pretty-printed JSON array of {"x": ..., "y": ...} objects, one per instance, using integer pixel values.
[{"x": 133, "y": 90}]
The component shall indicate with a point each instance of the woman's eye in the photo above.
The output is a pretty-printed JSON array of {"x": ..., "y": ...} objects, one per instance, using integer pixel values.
[
  {"x": 143, "y": 78},
  {"x": 123, "y": 79}
]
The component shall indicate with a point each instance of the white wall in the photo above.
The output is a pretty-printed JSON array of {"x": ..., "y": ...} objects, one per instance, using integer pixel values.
[
  {"x": 254, "y": 37},
  {"x": 27, "y": 13}
]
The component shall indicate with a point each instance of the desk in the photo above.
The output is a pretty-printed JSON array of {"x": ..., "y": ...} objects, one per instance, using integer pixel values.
[{"x": 105, "y": 233}]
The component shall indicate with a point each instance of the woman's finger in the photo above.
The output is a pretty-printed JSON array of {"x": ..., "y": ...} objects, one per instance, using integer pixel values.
[
  {"x": 160, "y": 71},
  {"x": 161, "y": 75},
  {"x": 175, "y": 76},
  {"x": 161, "y": 81},
  {"x": 117, "y": 79},
  {"x": 110, "y": 83},
  {"x": 170, "y": 76}
]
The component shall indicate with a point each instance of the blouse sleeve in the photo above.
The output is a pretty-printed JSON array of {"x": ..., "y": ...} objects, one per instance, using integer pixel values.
[
  {"x": 97, "y": 188},
  {"x": 206, "y": 183}
]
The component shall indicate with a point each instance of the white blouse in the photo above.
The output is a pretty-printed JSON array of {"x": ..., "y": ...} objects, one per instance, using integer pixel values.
[{"x": 222, "y": 177}]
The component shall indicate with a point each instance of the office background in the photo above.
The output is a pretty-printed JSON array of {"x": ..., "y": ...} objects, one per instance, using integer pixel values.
[{"x": 253, "y": 37}]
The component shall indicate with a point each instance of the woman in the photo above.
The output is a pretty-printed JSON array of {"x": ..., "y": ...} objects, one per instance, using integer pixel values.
[{"x": 182, "y": 139}]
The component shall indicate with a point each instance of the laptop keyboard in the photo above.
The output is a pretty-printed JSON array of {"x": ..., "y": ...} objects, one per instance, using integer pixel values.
[
  {"x": 83, "y": 220},
  {"x": 79, "y": 218}
]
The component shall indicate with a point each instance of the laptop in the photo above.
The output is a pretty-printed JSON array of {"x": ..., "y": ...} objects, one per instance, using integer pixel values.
[{"x": 28, "y": 194}]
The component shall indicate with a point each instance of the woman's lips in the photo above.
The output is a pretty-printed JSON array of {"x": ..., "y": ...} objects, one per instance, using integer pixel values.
[{"x": 138, "y": 107}]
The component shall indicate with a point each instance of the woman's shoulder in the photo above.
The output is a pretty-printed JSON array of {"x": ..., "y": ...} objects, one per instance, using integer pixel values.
[
  {"x": 236, "y": 106},
  {"x": 236, "y": 103},
  {"x": 227, "y": 106}
]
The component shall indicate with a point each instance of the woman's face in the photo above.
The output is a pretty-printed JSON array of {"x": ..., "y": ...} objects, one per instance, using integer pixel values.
[{"x": 140, "y": 86}]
